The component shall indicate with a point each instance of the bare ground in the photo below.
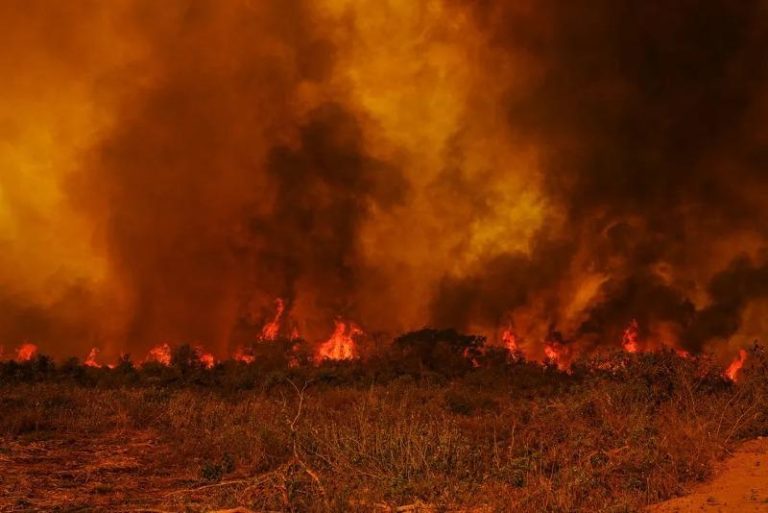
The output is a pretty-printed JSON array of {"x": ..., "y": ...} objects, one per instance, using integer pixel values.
[
  {"x": 739, "y": 486},
  {"x": 122, "y": 471},
  {"x": 126, "y": 472}
]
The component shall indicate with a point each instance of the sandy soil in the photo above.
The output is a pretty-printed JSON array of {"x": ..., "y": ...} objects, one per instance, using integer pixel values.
[{"x": 739, "y": 486}]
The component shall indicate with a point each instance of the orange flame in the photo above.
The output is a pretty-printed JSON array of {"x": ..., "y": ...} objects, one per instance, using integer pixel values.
[
  {"x": 293, "y": 361},
  {"x": 91, "y": 360},
  {"x": 242, "y": 355},
  {"x": 271, "y": 330},
  {"x": 509, "y": 339},
  {"x": 557, "y": 354},
  {"x": 160, "y": 354},
  {"x": 206, "y": 358},
  {"x": 732, "y": 372},
  {"x": 26, "y": 352},
  {"x": 629, "y": 340},
  {"x": 341, "y": 345}
]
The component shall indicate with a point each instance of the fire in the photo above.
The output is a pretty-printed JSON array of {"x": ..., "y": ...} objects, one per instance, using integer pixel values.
[
  {"x": 160, "y": 354},
  {"x": 509, "y": 339},
  {"x": 243, "y": 355},
  {"x": 341, "y": 345},
  {"x": 557, "y": 354},
  {"x": 206, "y": 358},
  {"x": 90, "y": 361},
  {"x": 293, "y": 361},
  {"x": 271, "y": 330},
  {"x": 732, "y": 372},
  {"x": 26, "y": 352},
  {"x": 629, "y": 340}
]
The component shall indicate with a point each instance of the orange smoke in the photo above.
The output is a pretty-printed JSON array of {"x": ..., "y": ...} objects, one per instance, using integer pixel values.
[{"x": 446, "y": 163}]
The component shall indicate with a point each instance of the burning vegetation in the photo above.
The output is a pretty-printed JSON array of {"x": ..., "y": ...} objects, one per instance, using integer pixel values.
[
  {"x": 437, "y": 421},
  {"x": 522, "y": 201},
  {"x": 546, "y": 169}
]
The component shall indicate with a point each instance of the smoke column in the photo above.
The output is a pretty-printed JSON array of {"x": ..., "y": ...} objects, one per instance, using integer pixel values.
[{"x": 168, "y": 169}]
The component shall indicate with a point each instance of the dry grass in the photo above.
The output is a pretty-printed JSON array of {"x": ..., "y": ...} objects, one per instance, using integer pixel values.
[{"x": 597, "y": 442}]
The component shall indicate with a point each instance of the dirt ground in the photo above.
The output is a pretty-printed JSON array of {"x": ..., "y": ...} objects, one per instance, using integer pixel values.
[
  {"x": 740, "y": 485},
  {"x": 122, "y": 472}
]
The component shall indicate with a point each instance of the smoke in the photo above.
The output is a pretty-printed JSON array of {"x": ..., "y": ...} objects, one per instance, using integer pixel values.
[
  {"x": 646, "y": 115},
  {"x": 169, "y": 169}
]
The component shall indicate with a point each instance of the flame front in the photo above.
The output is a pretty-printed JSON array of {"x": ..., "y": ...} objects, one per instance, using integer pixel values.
[{"x": 435, "y": 163}]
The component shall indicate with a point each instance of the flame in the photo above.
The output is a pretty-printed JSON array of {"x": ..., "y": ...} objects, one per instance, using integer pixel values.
[
  {"x": 509, "y": 339},
  {"x": 160, "y": 354},
  {"x": 90, "y": 361},
  {"x": 271, "y": 330},
  {"x": 243, "y": 355},
  {"x": 206, "y": 358},
  {"x": 629, "y": 340},
  {"x": 26, "y": 352},
  {"x": 732, "y": 372},
  {"x": 557, "y": 354},
  {"x": 341, "y": 345},
  {"x": 293, "y": 360}
]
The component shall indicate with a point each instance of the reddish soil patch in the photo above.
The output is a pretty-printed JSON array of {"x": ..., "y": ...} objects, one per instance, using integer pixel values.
[{"x": 740, "y": 485}]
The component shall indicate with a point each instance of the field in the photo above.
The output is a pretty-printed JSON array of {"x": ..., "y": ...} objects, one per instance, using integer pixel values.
[{"x": 614, "y": 434}]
